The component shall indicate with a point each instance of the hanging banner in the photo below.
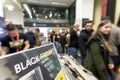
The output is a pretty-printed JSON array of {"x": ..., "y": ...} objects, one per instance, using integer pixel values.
[{"x": 39, "y": 63}]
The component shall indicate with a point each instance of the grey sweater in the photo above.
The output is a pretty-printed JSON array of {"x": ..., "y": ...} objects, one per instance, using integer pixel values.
[{"x": 115, "y": 39}]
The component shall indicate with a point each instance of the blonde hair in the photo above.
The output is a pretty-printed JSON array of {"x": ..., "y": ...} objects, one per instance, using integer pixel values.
[{"x": 102, "y": 23}]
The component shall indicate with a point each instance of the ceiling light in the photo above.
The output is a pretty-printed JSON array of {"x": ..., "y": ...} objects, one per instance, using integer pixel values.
[
  {"x": 4, "y": 0},
  {"x": 10, "y": 7},
  {"x": 56, "y": 3},
  {"x": 34, "y": 24},
  {"x": 46, "y": 17},
  {"x": 50, "y": 15},
  {"x": 33, "y": 10},
  {"x": 28, "y": 10},
  {"x": 59, "y": 15}
]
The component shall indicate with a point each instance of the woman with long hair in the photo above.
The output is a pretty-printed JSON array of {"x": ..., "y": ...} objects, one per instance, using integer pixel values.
[{"x": 98, "y": 50}]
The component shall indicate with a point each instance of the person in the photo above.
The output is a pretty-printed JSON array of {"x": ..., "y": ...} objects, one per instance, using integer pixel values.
[
  {"x": 72, "y": 41},
  {"x": 14, "y": 41},
  {"x": 97, "y": 53},
  {"x": 83, "y": 38},
  {"x": 42, "y": 38},
  {"x": 56, "y": 40},
  {"x": 37, "y": 36},
  {"x": 31, "y": 37},
  {"x": 114, "y": 43},
  {"x": 63, "y": 42},
  {"x": 51, "y": 36}
]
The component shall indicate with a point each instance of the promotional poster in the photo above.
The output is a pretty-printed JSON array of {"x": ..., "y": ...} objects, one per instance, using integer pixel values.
[{"x": 39, "y": 63}]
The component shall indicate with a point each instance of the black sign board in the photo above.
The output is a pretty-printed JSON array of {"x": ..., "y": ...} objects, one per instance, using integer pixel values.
[{"x": 37, "y": 24}]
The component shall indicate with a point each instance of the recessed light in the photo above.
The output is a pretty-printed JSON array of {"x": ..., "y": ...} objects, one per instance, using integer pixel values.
[{"x": 56, "y": 3}]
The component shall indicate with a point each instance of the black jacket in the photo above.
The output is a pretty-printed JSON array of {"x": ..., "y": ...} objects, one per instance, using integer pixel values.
[
  {"x": 73, "y": 39},
  {"x": 63, "y": 40},
  {"x": 31, "y": 38},
  {"x": 83, "y": 38}
]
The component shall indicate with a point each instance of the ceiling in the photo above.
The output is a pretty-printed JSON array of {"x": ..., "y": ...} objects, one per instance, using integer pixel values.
[
  {"x": 59, "y": 3},
  {"x": 17, "y": 3},
  {"x": 12, "y": 3}
]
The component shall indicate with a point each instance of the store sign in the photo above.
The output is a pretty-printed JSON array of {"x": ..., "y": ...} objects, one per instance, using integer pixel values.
[
  {"x": 35, "y": 24},
  {"x": 39, "y": 63}
]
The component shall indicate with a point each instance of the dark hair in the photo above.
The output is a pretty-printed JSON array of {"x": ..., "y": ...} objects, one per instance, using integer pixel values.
[
  {"x": 89, "y": 21},
  {"x": 10, "y": 27},
  {"x": 103, "y": 22},
  {"x": 37, "y": 30},
  {"x": 105, "y": 18}
]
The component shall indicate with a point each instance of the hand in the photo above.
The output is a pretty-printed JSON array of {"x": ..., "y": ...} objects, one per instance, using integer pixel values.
[
  {"x": 2, "y": 52},
  {"x": 35, "y": 46},
  {"x": 111, "y": 66},
  {"x": 119, "y": 69},
  {"x": 66, "y": 45}
]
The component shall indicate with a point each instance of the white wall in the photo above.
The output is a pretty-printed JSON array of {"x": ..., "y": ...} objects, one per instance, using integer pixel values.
[
  {"x": 78, "y": 16},
  {"x": 117, "y": 11},
  {"x": 78, "y": 9},
  {"x": 84, "y": 9},
  {"x": 15, "y": 16},
  {"x": 1, "y": 8},
  {"x": 87, "y": 9}
]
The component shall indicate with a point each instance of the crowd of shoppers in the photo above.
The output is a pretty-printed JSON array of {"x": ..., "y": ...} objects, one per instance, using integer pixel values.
[{"x": 98, "y": 49}]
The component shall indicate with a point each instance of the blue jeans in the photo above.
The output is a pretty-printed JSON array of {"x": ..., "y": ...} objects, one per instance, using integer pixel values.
[
  {"x": 116, "y": 61},
  {"x": 73, "y": 52},
  {"x": 82, "y": 58},
  {"x": 57, "y": 45}
]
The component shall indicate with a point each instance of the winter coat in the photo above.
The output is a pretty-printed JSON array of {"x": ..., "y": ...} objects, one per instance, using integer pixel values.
[
  {"x": 97, "y": 59},
  {"x": 115, "y": 40},
  {"x": 83, "y": 38}
]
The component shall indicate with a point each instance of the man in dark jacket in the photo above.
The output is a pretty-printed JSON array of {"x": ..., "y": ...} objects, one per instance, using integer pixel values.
[
  {"x": 31, "y": 37},
  {"x": 83, "y": 38}
]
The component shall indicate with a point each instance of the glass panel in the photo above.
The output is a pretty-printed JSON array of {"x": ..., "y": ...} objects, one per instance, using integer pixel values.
[{"x": 38, "y": 12}]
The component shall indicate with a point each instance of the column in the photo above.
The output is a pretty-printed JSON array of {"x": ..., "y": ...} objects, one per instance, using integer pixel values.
[
  {"x": 1, "y": 8},
  {"x": 84, "y": 10}
]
